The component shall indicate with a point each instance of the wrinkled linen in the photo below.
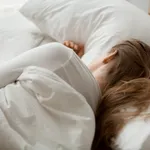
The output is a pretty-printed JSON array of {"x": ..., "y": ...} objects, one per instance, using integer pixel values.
[{"x": 40, "y": 111}]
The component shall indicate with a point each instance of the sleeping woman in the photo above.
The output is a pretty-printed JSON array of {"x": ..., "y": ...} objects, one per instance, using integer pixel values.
[
  {"x": 125, "y": 61},
  {"x": 125, "y": 95}
]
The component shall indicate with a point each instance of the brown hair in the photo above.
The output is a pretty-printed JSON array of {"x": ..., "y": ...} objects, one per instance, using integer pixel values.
[
  {"x": 132, "y": 61},
  {"x": 112, "y": 114},
  {"x": 125, "y": 89}
]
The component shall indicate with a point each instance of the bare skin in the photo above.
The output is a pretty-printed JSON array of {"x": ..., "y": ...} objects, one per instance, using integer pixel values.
[
  {"x": 77, "y": 48},
  {"x": 98, "y": 67}
]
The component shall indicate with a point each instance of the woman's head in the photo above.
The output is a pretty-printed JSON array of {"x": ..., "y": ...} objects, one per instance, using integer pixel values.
[
  {"x": 119, "y": 105},
  {"x": 127, "y": 60}
]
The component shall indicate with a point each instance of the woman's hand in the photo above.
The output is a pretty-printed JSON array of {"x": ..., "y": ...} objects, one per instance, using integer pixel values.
[{"x": 77, "y": 48}]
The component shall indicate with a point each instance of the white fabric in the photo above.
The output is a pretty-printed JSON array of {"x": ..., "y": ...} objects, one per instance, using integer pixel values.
[
  {"x": 59, "y": 59},
  {"x": 12, "y": 2},
  {"x": 135, "y": 135},
  {"x": 42, "y": 112},
  {"x": 99, "y": 24},
  {"x": 17, "y": 34}
]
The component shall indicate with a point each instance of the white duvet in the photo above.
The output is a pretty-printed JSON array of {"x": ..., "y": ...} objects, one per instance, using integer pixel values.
[
  {"x": 42, "y": 112},
  {"x": 30, "y": 116}
]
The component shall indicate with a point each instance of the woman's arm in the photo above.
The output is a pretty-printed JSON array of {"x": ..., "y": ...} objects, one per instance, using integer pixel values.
[{"x": 50, "y": 56}]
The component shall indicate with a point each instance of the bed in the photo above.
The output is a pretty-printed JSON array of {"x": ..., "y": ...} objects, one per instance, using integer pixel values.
[
  {"x": 27, "y": 121},
  {"x": 30, "y": 119}
]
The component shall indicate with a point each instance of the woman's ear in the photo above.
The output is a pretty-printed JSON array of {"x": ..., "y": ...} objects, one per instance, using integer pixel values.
[{"x": 110, "y": 57}]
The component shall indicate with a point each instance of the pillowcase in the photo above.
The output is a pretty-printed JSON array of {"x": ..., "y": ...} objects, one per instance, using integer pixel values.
[
  {"x": 135, "y": 135},
  {"x": 17, "y": 34},
  {"x": 99, "y": 24}
]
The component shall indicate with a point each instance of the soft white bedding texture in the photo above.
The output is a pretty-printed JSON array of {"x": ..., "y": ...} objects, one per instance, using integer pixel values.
[
  {"x": 42, "y": 112},
  {"x": 12, "y": 2},
  {"x": 99, "y": 24},
  {"x": 17, "y": 34}
]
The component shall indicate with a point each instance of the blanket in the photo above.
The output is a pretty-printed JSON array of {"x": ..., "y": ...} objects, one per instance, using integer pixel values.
[{"x": 40, "y": 111}]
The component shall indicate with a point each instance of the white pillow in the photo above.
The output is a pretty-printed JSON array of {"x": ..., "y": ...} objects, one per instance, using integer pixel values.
[
  {"x": 135, "y": 135},
  {"x": 99, "y": 24},
  {"x": 17, "y": 34}
]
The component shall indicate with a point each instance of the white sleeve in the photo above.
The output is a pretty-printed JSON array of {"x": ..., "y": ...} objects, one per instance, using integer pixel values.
[{"x": 50, "y": 56}]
